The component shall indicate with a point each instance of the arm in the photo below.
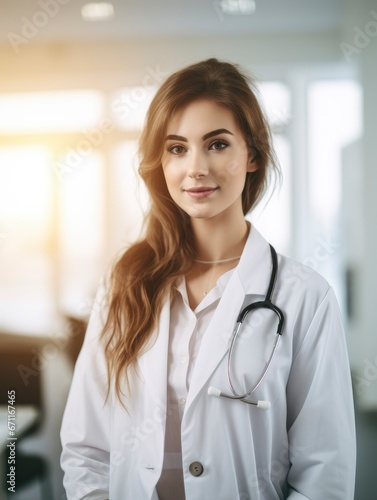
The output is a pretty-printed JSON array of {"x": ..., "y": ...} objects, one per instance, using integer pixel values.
[
  {"x": 320, "y": 422},
  {"x": 85, "y": 432}
]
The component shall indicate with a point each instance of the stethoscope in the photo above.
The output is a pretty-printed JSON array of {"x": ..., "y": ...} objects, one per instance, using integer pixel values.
[{"x": 263, "y": 304}]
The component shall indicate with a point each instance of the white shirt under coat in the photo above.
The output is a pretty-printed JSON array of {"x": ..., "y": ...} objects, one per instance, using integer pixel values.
[
  {"x": 302, "y": 448},
  {"x": 187, "y": 328}
]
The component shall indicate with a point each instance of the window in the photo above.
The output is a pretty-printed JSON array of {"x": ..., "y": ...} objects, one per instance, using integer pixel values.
[
  {"x": 334, "y": 121},
  {"x": 26, "y": 214},
  {"x": 50, "y": 111}
]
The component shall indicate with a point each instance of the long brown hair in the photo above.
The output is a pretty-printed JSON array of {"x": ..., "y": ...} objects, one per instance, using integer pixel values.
[{"x": 143, "y": 277}]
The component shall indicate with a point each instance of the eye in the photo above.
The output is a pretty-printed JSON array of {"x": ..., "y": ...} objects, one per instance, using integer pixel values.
[
  {"x": 176, "y": 149},
  {"x": 218, "y": 145}
]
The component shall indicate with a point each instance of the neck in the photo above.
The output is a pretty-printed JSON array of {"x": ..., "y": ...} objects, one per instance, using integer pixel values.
[{"x": 220, "y": 240}]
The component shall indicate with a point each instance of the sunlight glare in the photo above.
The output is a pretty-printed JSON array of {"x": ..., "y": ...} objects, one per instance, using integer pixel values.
[
  {"x": 25, "y": 191},
  {"x": 36, "y": 112}
]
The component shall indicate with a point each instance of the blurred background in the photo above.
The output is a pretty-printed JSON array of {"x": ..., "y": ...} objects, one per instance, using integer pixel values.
[{"x": 75, "y": 82}]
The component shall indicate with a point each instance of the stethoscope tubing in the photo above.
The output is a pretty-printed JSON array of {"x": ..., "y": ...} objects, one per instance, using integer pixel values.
[
  {"x": 263, "y": 304},
  {"x": 243, "y": 397}
]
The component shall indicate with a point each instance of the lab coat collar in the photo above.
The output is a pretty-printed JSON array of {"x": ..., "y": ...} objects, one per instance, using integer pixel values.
[{"x": 254, "y": 268}]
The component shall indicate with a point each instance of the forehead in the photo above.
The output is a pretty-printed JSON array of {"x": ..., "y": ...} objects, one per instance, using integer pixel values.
[{"x": 201, "y": 116}]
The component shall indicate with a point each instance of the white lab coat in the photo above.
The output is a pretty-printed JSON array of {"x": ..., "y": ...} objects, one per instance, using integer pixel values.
[{"x": 302, "y": 448}]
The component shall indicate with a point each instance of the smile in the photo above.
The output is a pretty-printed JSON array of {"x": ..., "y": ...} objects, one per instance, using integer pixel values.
[{"x": 200, "y": 192}]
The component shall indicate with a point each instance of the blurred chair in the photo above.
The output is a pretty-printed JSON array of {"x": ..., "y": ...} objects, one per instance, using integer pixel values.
[{"x": 20, "y": 371}]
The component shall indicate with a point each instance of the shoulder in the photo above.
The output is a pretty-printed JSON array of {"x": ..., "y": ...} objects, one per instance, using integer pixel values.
[
  {"x": 295, "y": 281},
  {"x": 302, "y": 290},
  {"x": 309, "y": 303},
  {"x": 299, "y": 278}
]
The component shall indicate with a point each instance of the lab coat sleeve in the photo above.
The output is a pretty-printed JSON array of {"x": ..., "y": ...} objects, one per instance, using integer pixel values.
[
  {"x": 321, "y": 429},
  {"x": 85, "y": 432}
]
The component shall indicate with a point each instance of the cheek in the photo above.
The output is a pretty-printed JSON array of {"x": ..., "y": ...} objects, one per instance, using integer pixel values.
[
  {"x": 173, "y": 183},
  {"x": 171, "y": 174},
  {"x": 236, "y": 167},
  {"x": 231, "y": 170}
]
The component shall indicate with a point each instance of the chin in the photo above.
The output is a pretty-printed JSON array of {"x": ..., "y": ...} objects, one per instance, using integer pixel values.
[{"x": 201, "y": 216}]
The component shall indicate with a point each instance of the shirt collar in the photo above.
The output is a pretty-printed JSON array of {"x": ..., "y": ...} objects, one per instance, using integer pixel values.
[{"x": 213, "y": 295}]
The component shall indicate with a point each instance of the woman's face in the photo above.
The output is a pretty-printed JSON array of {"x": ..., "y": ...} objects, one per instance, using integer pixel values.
[{"x": 205, "y": 160}]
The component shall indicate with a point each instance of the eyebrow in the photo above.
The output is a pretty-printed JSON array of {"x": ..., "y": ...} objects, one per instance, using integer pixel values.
[{"x": 205, "y": 136}]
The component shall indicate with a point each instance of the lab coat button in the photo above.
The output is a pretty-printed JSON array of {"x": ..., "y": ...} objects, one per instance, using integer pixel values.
[{"x": 196, "y": 469}]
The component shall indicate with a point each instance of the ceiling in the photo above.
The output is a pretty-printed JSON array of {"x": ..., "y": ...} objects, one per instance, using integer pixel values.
[{"x": 164, "y": 18}]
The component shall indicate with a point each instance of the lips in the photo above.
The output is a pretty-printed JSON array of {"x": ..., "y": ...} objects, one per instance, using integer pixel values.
[
  {"x": 201, "y": 189},
  {"x": 200, "y": 192}
]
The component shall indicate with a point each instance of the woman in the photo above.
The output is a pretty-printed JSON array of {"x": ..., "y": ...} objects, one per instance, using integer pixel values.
[{"x": 141, "y": 420}]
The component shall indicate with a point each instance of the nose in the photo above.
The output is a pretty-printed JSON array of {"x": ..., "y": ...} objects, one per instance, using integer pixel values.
[{"x": 198, "y": 166}]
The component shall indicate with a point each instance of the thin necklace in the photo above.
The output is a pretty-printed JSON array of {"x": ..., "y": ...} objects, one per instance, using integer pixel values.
[
  {"x": 217, "y": 261},
  {"x": 211, "y": 273}
]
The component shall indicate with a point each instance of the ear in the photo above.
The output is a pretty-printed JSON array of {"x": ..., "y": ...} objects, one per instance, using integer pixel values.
[{"x": 252, "y": 164}]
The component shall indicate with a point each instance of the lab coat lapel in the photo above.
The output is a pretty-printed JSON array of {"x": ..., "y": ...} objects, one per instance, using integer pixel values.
[
  {"x": 251, "y": 277},
  {"x": 153, "y": 361}
]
